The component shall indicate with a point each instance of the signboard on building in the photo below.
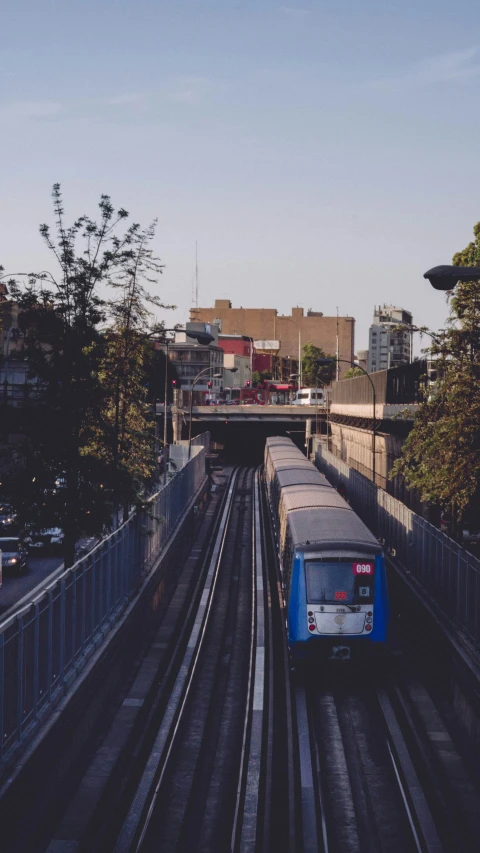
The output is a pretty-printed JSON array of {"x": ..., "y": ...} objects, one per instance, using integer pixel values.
[{"x": 267, "y": 346}]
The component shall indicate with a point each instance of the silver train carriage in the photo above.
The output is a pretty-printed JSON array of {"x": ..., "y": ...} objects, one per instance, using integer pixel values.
[{"x": 332, "y": 566}]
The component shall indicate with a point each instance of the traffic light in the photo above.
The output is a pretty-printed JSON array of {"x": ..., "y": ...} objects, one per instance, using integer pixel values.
[
  {"x": 248, "y": 383},
  {"x": 174, "y": 383},
  {"x": 209, "y": 384}
]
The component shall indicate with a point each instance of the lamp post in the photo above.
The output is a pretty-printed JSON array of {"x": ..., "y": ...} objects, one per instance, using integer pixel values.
[
  {"x": 294, "y": 376},
  {"x": 446, "y": 277},
  {"x": 352, "y": 364},
  {"x": 202, "y": 372},
  {"x": 291, "y": 320},
  {"x": 201, "y": 338}
]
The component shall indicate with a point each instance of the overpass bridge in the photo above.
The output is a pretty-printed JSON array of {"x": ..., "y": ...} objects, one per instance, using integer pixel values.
[
  {"x": 239, "y": 431},
  {"x": 244, "y": 413}
]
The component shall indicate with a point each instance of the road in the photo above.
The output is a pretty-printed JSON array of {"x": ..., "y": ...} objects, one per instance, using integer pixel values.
[{"x": 15, "y": 588}]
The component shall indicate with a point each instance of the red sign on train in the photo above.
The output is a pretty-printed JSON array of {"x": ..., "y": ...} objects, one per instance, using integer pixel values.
[
  {"x": 363, "y": 568},
  {"x": 340, "y": 596}
]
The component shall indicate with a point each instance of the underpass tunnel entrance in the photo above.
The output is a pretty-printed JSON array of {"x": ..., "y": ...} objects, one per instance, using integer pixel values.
[{"x": 243, "y": 443}]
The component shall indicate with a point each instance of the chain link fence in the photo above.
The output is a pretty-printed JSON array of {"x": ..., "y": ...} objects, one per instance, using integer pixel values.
[
  {"x": 445, "y": 572},
  {"x": 44, "y": 646}
]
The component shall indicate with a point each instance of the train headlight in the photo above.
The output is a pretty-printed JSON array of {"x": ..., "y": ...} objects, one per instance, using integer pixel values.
[
  {"x": 311, "y": 627},
  {"x": 311, "y": 619},
  {"x": 369, "y": 620},
  {"x": 368, "y": 627}
]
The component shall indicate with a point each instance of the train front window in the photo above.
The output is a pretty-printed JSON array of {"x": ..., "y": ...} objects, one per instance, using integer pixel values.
[{"x": 339, "y": 582}]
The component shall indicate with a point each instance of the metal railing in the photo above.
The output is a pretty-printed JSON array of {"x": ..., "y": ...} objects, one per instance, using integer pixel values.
[
  {"x": 445, "y": 573},
  {"x": 44, "y": 645}
]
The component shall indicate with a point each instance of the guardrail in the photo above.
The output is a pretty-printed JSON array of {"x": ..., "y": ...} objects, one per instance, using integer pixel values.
[
  {"x": 44, "y": 646},
  {"x": 448, "y": 575}
]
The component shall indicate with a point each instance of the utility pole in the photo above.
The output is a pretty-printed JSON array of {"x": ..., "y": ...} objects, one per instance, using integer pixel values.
[{"x": 196, "y": 280}]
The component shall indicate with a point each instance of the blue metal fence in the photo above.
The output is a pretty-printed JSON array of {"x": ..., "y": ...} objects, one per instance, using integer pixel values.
[
  {"x": 45, "y": 644},
  {"x": 448, "y": 575}
]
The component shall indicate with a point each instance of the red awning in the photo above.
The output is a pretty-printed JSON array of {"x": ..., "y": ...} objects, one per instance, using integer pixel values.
[{"x": 280, "y": 387}]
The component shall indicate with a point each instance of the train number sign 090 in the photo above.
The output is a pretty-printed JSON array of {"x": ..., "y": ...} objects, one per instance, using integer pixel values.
[{"x": 363, "y": 568}]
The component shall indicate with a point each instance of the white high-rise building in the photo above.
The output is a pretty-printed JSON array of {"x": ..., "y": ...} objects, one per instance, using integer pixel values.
[{"x": 388, "y": 346}]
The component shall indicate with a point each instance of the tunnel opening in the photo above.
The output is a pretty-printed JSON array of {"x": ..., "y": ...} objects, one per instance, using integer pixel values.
[{"x": 243, "y": 443}]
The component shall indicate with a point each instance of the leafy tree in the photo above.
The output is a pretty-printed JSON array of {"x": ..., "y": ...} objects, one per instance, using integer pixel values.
[
  {"x": 315, "y": 375},
  {"x": 352, "y": 372},
  {"x": 441, "y": 456},
  {"x": 88, "y": 428},
  {"x": 125, "y": 362},
  {"x": 259, "y": 377}
]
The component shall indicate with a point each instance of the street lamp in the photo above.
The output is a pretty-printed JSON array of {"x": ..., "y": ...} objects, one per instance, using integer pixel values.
[
  {"x": 294, "y": 376},
  {"x": 201, "y": 338},
  {"x": 215, "y": 376},
  {"x": 291, "y": 320},
  {"x": 324, "y": 361},
  {"x": 446, "y": 277}
]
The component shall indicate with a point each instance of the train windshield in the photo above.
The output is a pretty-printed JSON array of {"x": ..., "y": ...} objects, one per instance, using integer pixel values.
[{"x": 336, "y": 582}]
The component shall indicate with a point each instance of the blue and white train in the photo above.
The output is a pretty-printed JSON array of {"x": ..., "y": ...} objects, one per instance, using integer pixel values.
[{"x": 332, "y": 566}]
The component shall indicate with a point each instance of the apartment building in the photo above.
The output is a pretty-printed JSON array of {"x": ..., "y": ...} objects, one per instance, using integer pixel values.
[{"x": 388, "y": 345}]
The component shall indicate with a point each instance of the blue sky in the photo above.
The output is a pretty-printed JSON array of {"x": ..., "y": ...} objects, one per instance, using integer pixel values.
[{"x": 323, "y": 154}]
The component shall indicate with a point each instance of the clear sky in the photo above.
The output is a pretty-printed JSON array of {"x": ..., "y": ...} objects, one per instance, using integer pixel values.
[{"x": 323, "y": 153}]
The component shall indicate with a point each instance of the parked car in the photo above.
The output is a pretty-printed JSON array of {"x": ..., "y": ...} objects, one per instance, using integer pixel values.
[
  {"x": 8, "y": 519},
  {"x": 47, "y": 541},
  {"x": 14, "y": 555}
]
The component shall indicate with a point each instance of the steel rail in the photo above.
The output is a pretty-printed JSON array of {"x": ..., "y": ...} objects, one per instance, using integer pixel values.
[
  {"x": 244, "y": 832},
  {"x": 277, "y": 635},
  {"x": 321, "y": 798},
  {"x": 307, "y": 756},
  {"x": 419, "y": 815},
  {"x": 135, "y": 826}
]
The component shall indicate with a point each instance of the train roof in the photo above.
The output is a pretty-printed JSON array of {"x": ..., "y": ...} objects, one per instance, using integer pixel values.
[
  {"x": 304, "y": 497},
  {"x": 278, "y": 439},
  {"x": 285, "y": 464},
  {"x": 331, "y": 526},
  {"x": 285, "y": 448},
  {"x": 319, "y": 481},
  {"x": 299, "y": 476},
  {"x": 278, "y": 454}
]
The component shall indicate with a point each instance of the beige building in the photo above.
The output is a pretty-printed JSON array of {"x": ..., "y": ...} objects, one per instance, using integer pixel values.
[
  {"x": 240, "y": 375},
  {"x": 266, "y": 324}
]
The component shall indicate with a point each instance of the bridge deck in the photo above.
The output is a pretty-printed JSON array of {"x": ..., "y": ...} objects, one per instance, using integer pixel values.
[{"x": 254, "y": 413}]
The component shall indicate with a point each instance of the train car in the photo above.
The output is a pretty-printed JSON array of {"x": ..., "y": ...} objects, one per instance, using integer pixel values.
[
  {"x": 332, "y": 566},
  {"x": 283, "y": 457}
]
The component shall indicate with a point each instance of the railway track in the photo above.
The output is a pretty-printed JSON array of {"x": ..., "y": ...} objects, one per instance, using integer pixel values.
[
  {"x": 378, "y": 770},
  {"x": 205, "y": 760},
  {"x": 236, "y": 755},
  {"x": 187, "y": 793},
  {"x": 208, "y": 783},
  {"x": 370, "y": 755}
]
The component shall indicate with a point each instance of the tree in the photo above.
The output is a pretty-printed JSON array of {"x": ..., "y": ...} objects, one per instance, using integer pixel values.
[
  {"x": 87, "y": 429},
  {"x": 315, "y": 375},
  {"x": 441, "y": 456},
  {"x": 352, "y": 372},
  {"x": 125, "y": 363}
]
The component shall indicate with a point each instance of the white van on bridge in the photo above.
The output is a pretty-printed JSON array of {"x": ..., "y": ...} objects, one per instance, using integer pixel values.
[{"x": 309, "y": 397}]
